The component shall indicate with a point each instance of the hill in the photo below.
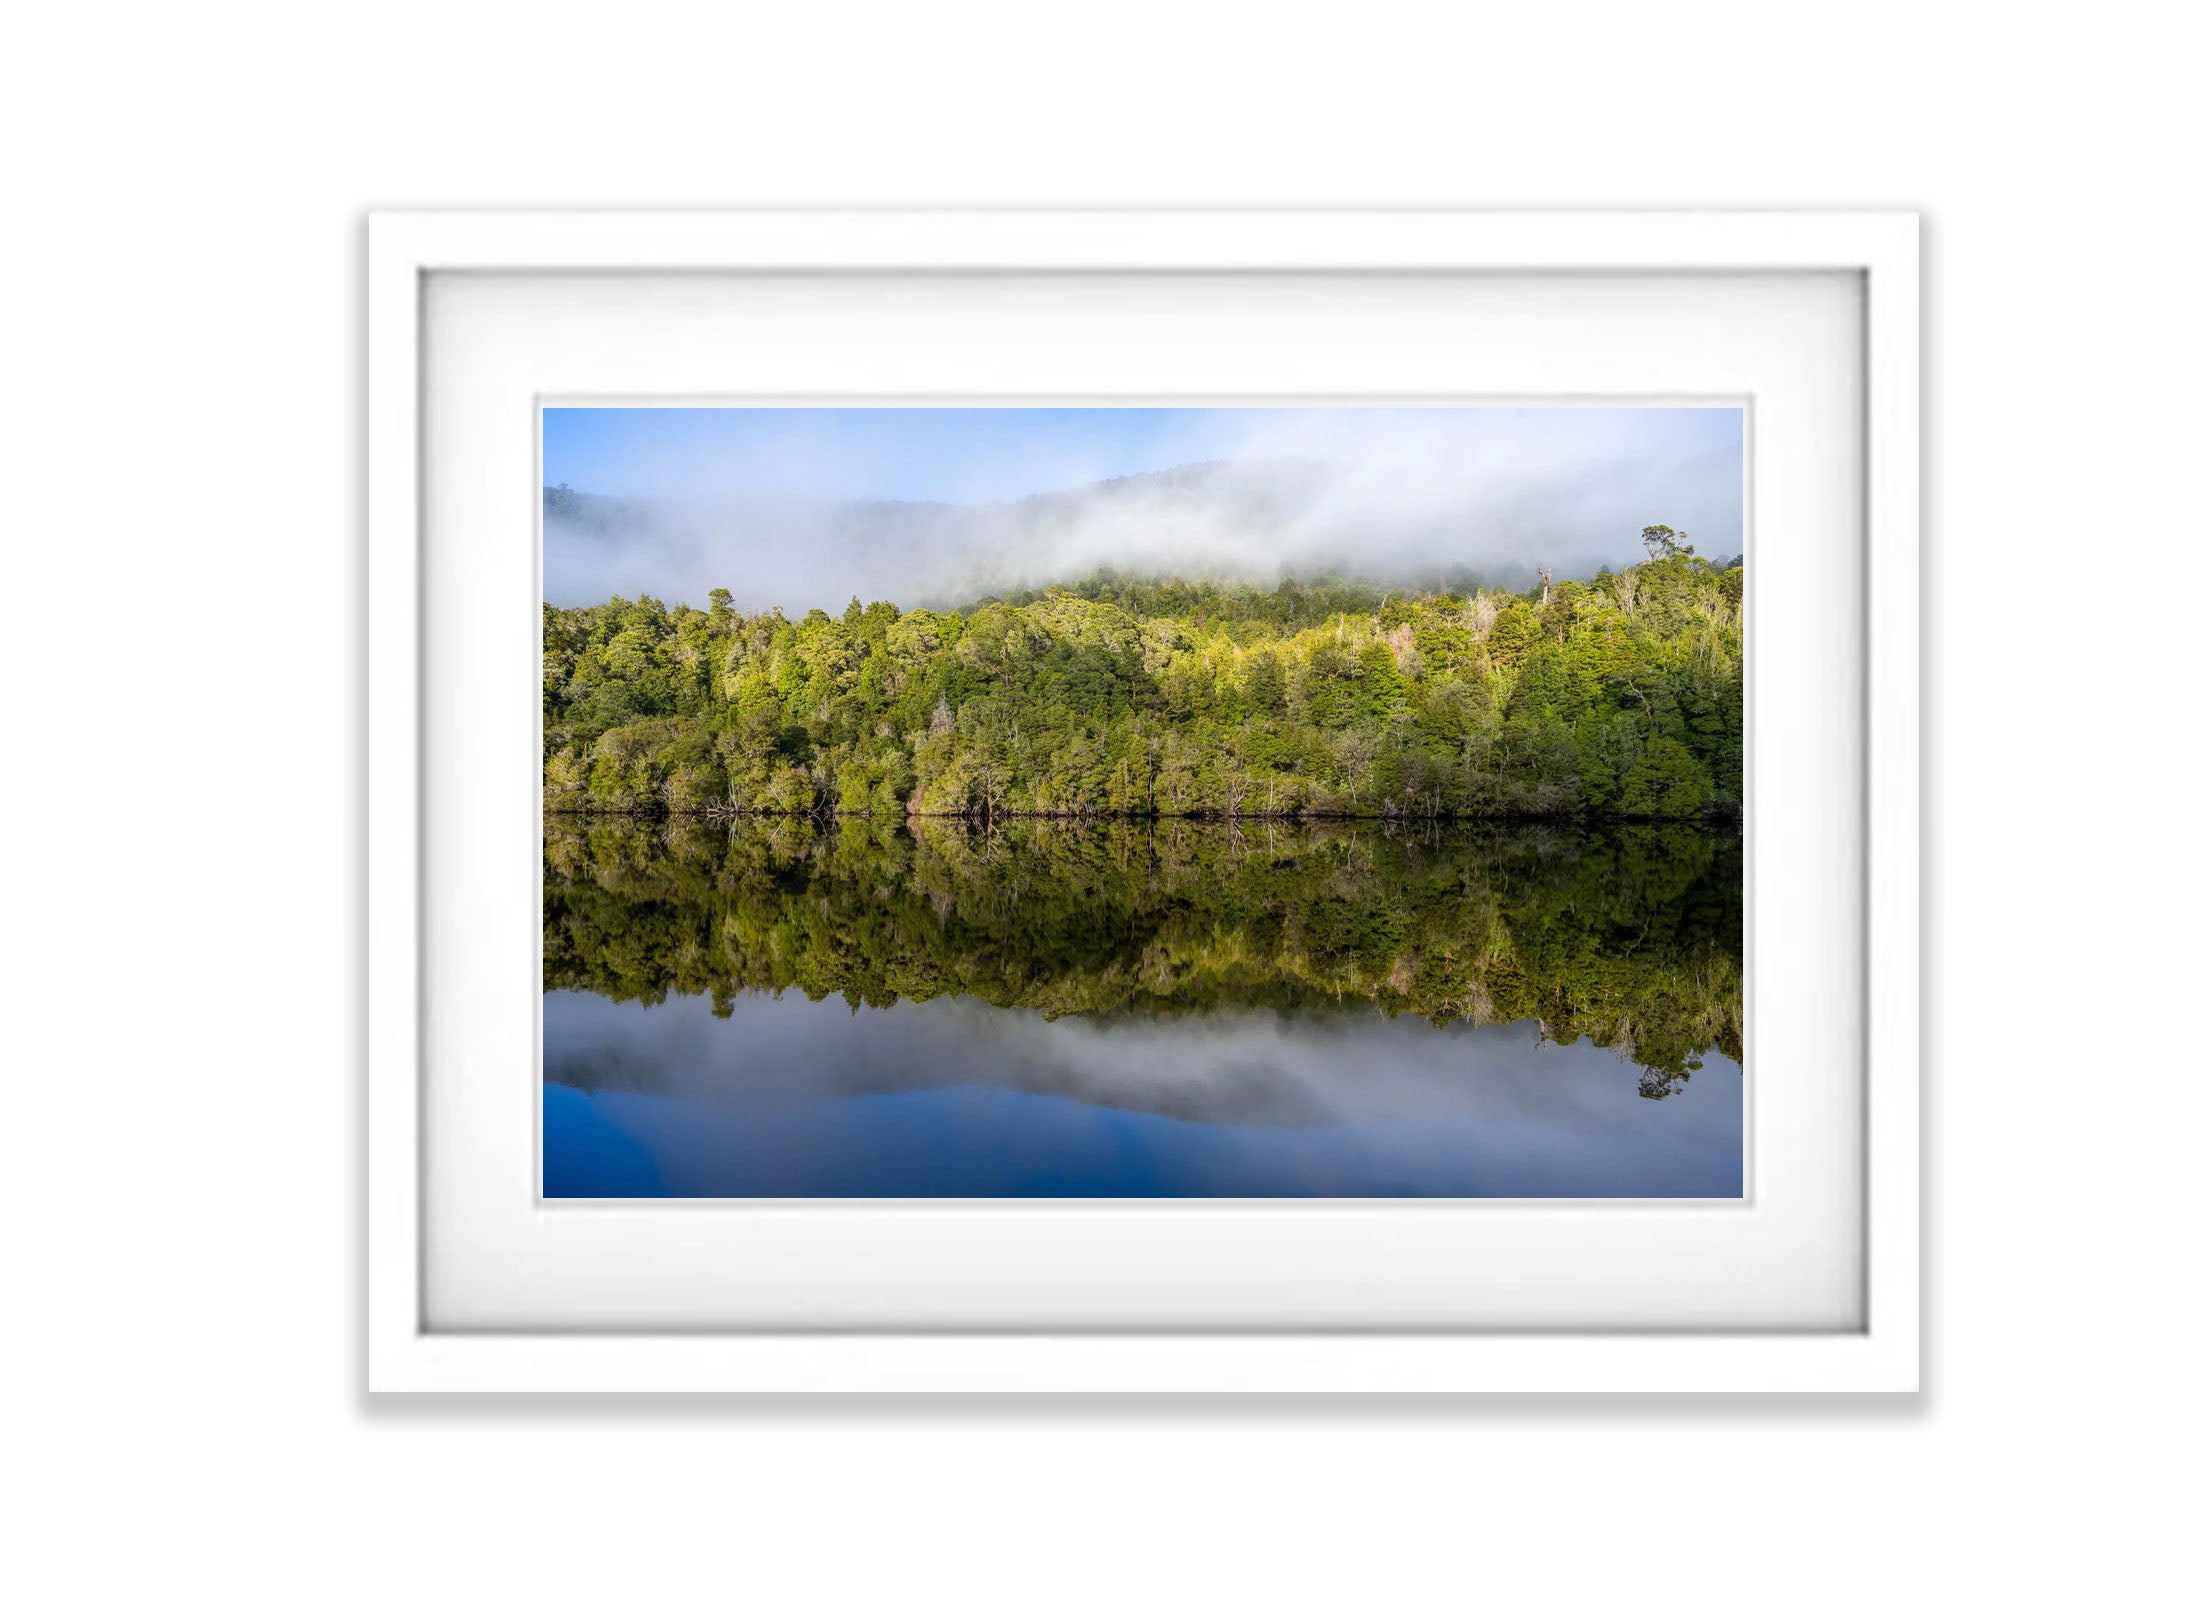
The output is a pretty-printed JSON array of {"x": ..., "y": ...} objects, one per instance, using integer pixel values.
[{"x": 1619, "y": 696}]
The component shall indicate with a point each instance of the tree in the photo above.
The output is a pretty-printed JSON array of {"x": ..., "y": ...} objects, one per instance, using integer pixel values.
[
  {"x": 1664, "y": 782},
  {"x": 1130, "y": 785},
  {"x": 1662, "y": 541},
  {"x": 1517, "y": 627}
]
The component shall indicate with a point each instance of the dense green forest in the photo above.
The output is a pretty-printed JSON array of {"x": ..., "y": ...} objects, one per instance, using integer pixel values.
[
  {"x": 1629, "y": 936},
  {"x": 1619, "y": 696}
]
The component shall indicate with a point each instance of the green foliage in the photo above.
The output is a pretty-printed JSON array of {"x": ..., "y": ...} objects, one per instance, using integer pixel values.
[
  {"x": 1132, "y": 697},
  {"x": 1664, "y": 782}
]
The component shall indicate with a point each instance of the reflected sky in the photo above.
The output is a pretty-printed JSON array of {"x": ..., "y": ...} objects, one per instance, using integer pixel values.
[{"x": 955, "y": 1098}]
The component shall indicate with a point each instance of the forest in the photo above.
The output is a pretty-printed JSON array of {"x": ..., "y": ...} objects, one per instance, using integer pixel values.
[
  {"x": 1617, "y": 696},
  {"x": 1630, "y": 937}
]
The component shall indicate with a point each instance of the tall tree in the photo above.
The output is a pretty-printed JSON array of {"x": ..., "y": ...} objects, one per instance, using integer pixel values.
[{"x": 1662, "y": 541}]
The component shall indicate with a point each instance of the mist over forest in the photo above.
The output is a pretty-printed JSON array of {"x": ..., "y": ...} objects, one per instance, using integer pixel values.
[{"x": 1431, "y": 522}]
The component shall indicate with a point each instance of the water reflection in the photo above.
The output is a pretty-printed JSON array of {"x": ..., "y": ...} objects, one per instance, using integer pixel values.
[{"x": 1168, "y": 1009}]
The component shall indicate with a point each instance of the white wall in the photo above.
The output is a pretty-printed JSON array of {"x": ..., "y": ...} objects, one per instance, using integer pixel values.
[{"x": 182, "y": 427}]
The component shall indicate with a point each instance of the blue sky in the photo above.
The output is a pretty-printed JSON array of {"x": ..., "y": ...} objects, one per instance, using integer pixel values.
[
  {"x": 782, "y": 504},
  {"x": 964, "y": 454},
  {"x": 974, "y": 455}
]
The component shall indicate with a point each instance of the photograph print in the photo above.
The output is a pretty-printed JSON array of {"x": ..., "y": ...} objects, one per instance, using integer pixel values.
[{"x": 1010, "y": 803}]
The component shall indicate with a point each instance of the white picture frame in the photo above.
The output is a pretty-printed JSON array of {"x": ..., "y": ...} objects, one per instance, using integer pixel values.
[{"x": 407, "y": 1352}]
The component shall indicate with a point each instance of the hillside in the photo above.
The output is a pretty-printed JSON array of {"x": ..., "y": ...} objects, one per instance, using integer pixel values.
[{"x": 1620, "y": 696}]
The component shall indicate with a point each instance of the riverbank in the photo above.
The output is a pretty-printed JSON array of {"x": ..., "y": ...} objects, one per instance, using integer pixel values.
[{"x": 1723, "y": 817}]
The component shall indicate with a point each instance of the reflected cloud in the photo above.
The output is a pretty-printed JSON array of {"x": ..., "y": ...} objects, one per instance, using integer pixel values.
[{"x": 1255, "y": 1068}]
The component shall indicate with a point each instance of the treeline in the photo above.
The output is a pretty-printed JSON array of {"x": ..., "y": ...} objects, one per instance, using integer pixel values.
[
  {"x": 1619, "y": 696},
  {"x": 1294, "y": 603},
  {"x": 1630, "y": 937}
]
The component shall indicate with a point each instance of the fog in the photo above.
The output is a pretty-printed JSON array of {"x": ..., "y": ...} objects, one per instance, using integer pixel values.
[{"x": 797, "y": 513}]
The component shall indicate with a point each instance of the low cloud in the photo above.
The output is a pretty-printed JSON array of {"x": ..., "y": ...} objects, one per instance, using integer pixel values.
[{"x": 1404, "y": 496}]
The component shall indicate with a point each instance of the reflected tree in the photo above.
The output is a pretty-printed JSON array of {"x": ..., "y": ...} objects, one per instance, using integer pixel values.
[{"x": 1629, "y": 937}]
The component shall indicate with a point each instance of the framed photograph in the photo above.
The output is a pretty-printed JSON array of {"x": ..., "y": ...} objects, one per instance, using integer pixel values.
[{"x": 1143, "y": 801}]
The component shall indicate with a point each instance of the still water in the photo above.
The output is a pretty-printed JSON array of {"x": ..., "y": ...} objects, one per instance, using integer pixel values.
[{"x": 780, "y": 1009}]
